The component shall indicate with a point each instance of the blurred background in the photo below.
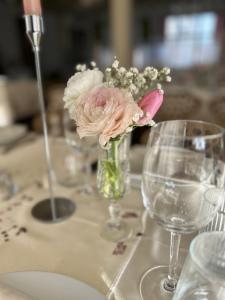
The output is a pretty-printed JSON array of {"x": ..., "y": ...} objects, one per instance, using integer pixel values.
[{"x": 187, "y": 36}]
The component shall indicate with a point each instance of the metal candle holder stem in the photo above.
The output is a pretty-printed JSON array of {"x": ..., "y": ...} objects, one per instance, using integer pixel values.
[{"x": 52, "y": 209}]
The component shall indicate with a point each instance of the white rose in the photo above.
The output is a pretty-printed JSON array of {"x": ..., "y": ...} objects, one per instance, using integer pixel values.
[{"x": 78, "y": 85}]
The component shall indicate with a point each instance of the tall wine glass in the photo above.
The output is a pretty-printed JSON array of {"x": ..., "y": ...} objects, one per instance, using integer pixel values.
[
  {"x": 182, "y": 187},
  {"x": 203, "y": 275},
  {"x": 86, "y": 147}
]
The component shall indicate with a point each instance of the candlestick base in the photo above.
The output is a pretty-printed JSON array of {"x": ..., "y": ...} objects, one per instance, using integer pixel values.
[{"x": 64, "y": 207}]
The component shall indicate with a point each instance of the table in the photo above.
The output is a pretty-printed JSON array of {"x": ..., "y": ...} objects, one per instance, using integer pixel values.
[{"x": 73, "y": 247}]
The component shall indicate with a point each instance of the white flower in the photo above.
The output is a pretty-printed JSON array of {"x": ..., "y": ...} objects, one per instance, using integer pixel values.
[
  {"x": 151, "y": 72},
  {"x": 81, "y": 68},
  {"x": 151, "y": 123},
  {"x": 133, "y": 89},
  {"x": 134, "y": 70},
  {"x": 154, "y": 74},
  {"x": 110, "y": 83},
  {"x": 129, "y": 74},
  {"x": 137, "y": 116},
  {"x": 147, "y": 70},
  {"x": 129, "y": 129},
  {"x": 122, "y": 70},
  {"x": 93, "y": 64},
  {"x": 159, "y": 86},
  {"x": 166, "y": 71},
  {"x": 78, "y": 85},
  {"x": 168, "y": 78},
  {"x": 140, "y": 81},
  {"x": 115, "y": 64}
]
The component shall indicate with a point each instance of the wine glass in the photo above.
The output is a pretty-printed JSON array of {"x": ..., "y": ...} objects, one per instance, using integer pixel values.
[
  {"x": 182, "y": 188},
  {"x": 67, "y": 166},
  {"x": 85, "y": 148},
  {"x": 7, "y": 187},
  {"x": 203, "y": 275}
]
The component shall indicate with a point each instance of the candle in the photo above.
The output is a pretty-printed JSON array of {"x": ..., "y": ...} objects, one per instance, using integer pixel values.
[{"x": 32, "y": 7}]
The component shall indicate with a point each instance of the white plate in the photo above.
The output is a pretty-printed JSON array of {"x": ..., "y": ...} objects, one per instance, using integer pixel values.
[
  {"x": 49, "y": 286},
  {"x": 11, "y": 134}
]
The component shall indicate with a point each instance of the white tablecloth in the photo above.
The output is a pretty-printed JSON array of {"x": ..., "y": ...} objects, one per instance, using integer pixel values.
[{"x": 73, "y": 247}]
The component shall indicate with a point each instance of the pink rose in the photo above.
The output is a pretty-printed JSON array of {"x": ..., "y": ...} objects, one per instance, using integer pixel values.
[
  {"x": 107, "y": 112},
  {"x": 150, "y": 104}
]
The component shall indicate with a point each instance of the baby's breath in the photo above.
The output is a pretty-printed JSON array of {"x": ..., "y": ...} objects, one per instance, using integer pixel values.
[
  {"x": 168, "y": 78},
  {"x": 93, "y": 64},
  {"x": 122, "y": 70},
  {"x": 137, "y": 82},
  {"x": 81, "y": 67},
  {"x": 159, "y": 86},
  {"x": 134, "y": 70},
  {"x": 166, "y": 71},
  {"x": 115, "y": 64}
]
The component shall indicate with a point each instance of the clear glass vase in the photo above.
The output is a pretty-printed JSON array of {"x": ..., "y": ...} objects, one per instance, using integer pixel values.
[{"x": 112, "y": 183}]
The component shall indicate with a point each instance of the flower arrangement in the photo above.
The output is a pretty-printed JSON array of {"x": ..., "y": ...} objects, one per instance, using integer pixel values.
[{"x": 111, "y": 104}]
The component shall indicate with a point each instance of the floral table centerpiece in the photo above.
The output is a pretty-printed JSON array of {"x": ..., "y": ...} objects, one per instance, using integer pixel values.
[{"x": 110, "y": 105}]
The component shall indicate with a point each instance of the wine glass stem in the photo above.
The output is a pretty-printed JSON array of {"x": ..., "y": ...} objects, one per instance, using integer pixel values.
[
  {"x": 114, "y": 213},
  {"x": 171, "y": 281}
]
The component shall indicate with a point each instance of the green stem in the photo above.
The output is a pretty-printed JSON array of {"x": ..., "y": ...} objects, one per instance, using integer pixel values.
[
  {"x": 112, "y": 153},
  {"x": 113, "y": 182},
  {"x": 114, "y": 156}
]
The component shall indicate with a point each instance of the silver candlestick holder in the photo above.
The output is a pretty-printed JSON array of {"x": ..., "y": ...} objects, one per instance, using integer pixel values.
[{"x": 52, "y": 209}]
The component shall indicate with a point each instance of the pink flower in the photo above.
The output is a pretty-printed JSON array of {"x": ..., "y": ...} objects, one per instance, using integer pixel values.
[
  {"x": 150, "y": 104},
  {"x": 107, "y": 112}
]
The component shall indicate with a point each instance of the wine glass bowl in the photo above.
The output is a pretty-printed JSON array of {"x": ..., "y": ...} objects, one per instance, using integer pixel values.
[
  {"x": 86, "y": 148},
  {"x": 84, "y": 145},
  {"x": 179, "y": 205},
  {"x": 182, "y": 185}
]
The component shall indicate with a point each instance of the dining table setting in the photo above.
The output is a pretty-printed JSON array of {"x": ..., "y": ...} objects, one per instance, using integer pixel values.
[
  {"x": 70, "y": 256},
  {"x": 85, "y": 214},
  {"x": 72, "y": 247}
]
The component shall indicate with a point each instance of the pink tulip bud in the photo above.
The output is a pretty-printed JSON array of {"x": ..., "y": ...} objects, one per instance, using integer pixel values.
[{"x": 150, "y": 104}]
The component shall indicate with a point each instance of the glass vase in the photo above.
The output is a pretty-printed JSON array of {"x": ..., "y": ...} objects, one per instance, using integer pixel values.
[{"x": 112, "y": 183}]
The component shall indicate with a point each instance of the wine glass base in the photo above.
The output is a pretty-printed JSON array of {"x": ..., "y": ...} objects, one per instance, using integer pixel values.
[
  {"x": 68, "y": 182},
  {"x": 64, "y": 209},
  {"x": 152, "y": 284},
  {"x": 114, "y": 233},
  {"x": 88, "y": 190}
]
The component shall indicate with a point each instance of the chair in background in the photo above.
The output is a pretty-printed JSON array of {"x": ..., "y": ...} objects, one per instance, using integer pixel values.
[
  {"x": 23, "y": 98},
  {"x": 180, "y": 104},
  {"x": 217, "y": 107},
  {"x": 6, "y": 110}
]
